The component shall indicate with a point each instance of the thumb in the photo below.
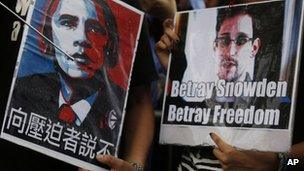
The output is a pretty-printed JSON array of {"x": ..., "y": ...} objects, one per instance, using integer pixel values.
[
  {"x": 109, "y": 160},
  {"x": 168, "y": 23}
]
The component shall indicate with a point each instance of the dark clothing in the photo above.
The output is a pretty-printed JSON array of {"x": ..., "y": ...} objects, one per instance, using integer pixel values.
[
  {"x": 298, "y": 129},
  {"x": 144, "y": 70}
]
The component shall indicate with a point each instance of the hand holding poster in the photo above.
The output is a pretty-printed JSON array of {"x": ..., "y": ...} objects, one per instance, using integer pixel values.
[
  {"x": 228, "y": 75},
  {"x": 69, "y": 95}
]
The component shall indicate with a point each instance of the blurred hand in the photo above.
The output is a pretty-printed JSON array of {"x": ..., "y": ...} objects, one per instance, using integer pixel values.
[
  {"x": 166, "y": 42},
  {"x": 114, "y": 163},
  {"x": 234, "y": 159}
]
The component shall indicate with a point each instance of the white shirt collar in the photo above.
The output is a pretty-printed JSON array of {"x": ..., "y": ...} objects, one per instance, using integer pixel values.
[{"x": 80, "y": 108}]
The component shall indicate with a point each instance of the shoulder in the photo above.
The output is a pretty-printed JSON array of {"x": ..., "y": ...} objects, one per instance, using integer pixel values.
[
  {"x": 36, "y": 80},
  {"x": 35, "y": 90},
  {"x": 36, "y": 94}
]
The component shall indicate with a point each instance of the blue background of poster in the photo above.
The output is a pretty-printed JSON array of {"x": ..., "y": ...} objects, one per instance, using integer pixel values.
[{"x": 33, "y": 61}]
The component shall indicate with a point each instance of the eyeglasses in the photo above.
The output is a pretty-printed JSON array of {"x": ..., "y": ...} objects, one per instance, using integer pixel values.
[{"x": 225, "y": 41}]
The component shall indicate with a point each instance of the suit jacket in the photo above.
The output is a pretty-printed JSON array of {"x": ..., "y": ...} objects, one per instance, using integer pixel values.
[{"x": 39, "y": 94}]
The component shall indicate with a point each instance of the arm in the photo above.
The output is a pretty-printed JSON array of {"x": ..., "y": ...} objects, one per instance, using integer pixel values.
[
  {"x": 139, "y": 125},
  {"x": 139, "y": 121},
  {"x": 232, "y": 158},
  {"x": 138, "y": 131}
]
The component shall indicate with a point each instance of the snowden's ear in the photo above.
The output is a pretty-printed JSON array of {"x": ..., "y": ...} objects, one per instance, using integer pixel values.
[
  {"x": 214, "y": 46},
  {"x": 256, "y": 46}
]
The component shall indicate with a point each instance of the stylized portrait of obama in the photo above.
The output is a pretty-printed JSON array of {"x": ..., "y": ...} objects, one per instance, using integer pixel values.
[
  {"x": 85, "y": 30},
  {"x": 79, "y": 93}
]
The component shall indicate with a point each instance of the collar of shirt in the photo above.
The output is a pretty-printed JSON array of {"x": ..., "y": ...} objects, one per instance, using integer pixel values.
[{"x": 80, "y": 108}]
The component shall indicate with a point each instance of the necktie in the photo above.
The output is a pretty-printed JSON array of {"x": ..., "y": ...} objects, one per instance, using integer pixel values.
[{"x": 66, "y": 114}]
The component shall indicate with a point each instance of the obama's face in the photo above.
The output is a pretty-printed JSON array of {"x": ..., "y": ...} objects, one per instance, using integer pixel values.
[{"x": 78, "y": 28}]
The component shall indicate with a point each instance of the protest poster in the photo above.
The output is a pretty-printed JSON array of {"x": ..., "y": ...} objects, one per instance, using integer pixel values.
[
  {"x": 234, "y": 72},
  {"x": 70, "y": 85}
]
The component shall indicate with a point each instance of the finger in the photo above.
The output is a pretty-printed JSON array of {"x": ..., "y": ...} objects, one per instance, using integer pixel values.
[
  {"x": 161, "y": 46},
  {"x": 109, "y": 160},
  {"x": 163, "y": 52},
  {"x": 165, "y": 39},
  {"x": 219, "y": 155},
  {"x": 168, "y": 30},
  {"x": 222, "y": 145},
  {"x": 171, "y": 34},
  {"x": 168, "y": 23}
]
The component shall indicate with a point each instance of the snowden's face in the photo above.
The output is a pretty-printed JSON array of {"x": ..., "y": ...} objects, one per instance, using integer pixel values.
[
  {"x": 234, "y": 58},
  {"x": 79, "y": 29}
]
